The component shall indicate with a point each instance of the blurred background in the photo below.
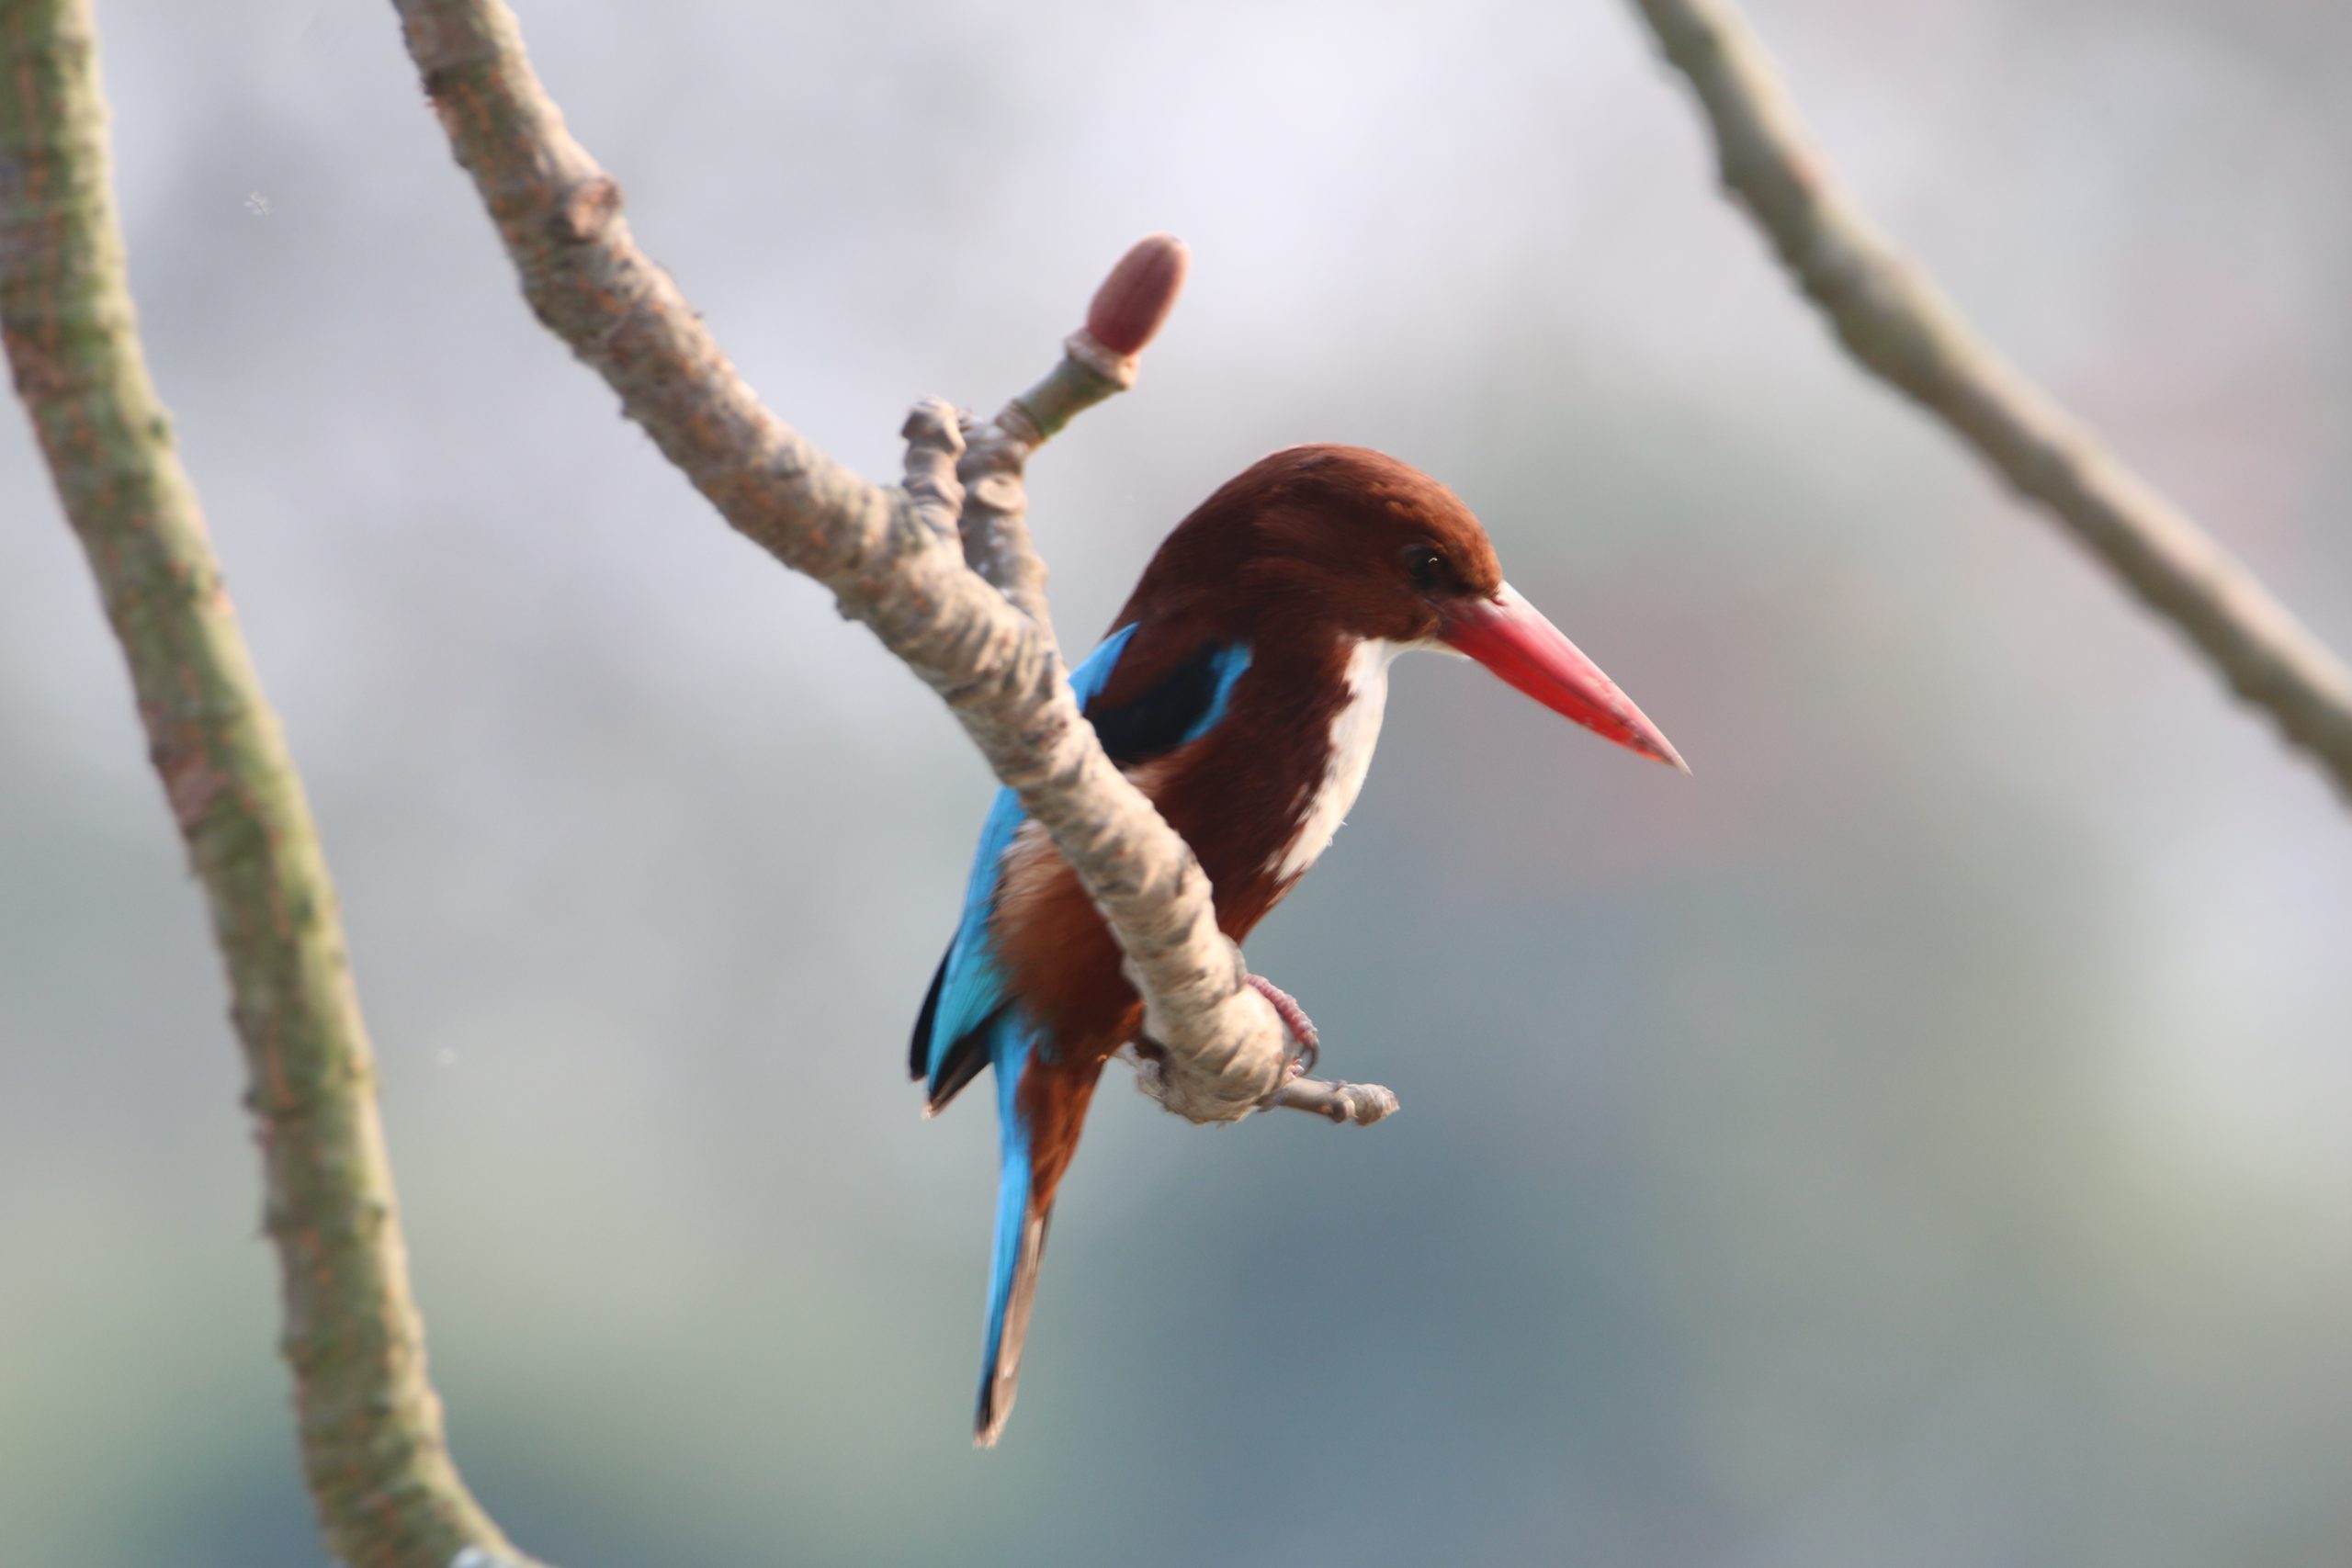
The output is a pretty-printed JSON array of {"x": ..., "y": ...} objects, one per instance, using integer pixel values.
[{"x": 1919, "y": 1139}]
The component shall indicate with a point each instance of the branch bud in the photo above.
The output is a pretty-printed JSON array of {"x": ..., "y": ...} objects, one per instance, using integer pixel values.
[{"x": 1134, "y": 301}]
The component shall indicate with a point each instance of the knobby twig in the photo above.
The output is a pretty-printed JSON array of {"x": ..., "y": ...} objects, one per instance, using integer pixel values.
[
  {"x": 1903, "y": 328},
  {"x": 369, "y": 1425},
  {"x": 1362, "y": 1103}
]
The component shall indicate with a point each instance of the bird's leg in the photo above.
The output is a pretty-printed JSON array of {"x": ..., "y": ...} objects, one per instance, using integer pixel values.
[
  {"x": 1295, "y": 1018},
  {"x": 1362, "y": 1103}
]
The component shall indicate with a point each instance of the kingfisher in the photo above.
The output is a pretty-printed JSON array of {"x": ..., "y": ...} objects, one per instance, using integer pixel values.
[{"x": 1241, "y": 691}]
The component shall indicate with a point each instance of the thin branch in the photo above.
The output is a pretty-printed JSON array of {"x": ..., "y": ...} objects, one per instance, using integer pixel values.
[
  {"x": 1361, "y": 1103},
  {"x": 1903, "y": 328},
  {"x": 888, "y": 564},
  {"x": 369, "y": 1425}
]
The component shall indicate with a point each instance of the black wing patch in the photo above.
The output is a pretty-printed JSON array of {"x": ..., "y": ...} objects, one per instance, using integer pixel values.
[
  {"x": 919, "y": 1057},
  {"x": 962, "y": 1059},
  {"x": 1180, "y": 707},
  {"x": 962, "y": 1063}
]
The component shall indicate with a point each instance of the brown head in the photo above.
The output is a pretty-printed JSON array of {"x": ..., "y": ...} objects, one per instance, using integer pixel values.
[{"x": 1352, "y": 543}]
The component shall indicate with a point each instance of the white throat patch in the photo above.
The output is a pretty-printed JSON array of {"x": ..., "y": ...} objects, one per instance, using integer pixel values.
[{"x": 1355, "y": 730}]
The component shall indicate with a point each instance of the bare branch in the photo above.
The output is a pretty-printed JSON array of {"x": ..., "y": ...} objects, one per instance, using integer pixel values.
[
  {"x": 369, "y": 1425},
  {"x": 1361, "y": 1103},
  {"x": 1893, "y": 318}
]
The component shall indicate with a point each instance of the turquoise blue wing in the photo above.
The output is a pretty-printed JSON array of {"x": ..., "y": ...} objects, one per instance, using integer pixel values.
[{"x": 968, "y": 1000}]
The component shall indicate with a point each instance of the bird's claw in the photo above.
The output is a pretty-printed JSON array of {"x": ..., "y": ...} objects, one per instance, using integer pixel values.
[{"x": 1295, "y": 1020}]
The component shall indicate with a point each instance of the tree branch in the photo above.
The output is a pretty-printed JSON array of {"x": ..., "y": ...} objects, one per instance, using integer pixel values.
[
  {"x": 1361, "y": 1103},
  {"x": 1900, "y": 326},
  {"x": 890, "y": 564},
  {"x": 369, "y": 1425}
]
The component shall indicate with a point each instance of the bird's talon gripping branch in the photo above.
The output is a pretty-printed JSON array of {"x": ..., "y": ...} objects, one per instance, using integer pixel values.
[{"x": 1301, "y": 1027}]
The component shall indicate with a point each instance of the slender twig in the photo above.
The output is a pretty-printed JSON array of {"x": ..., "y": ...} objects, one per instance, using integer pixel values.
[
  {"x": 1904, "y": 329},
  {"x": 889, "y": 565},
  {"x": 370, "y": 1428},
  {"x": 1362, "y": 1103}
]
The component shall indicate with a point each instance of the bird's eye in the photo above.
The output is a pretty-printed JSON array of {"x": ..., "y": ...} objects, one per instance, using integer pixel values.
[{"x": 1425, "y": 566}]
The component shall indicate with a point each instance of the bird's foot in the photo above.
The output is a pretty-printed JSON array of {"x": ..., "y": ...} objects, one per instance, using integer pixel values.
[
  {"x": 1295, "y": 1018},
  {"x": 1361, "y": 1103}
]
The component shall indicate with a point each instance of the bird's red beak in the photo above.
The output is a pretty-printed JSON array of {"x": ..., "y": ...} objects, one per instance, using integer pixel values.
[{"x": 1511, "y": 637}]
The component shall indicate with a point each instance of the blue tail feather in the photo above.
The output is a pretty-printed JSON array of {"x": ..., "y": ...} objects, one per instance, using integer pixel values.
[{"x": 1020, "y": 1235}]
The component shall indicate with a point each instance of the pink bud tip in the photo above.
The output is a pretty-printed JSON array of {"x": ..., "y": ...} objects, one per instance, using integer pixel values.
[{"x": 1134, "y": 301}]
